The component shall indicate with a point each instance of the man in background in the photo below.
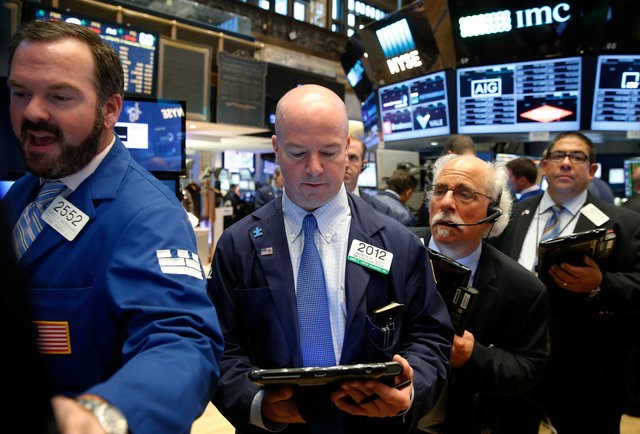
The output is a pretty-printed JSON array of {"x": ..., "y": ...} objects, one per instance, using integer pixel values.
[
  {"x": 129, "y": 338},
  {"x": 523, "y": 177},
  {"x": 355, "y": 166},
  {"x": 595, "y": 309},
  {"x": 271, "y": 190},
  {"x": 259, "y": 283},
  {"x": 400, "y": 186}
]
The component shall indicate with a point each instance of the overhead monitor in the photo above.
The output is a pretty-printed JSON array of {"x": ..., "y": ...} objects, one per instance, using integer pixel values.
[
  {"x": 496, "y": 31},
  {"x": 536, "y": 96},
  {"x": 401, "y": 45},
  {"x": 136, "y": 48},
  {"x": 416, "y": 108},
  {"x": 616, "y": 95},
  {"x": 154, "y": 131},
  {"x": 356, "y": 67},
  {"x": 370, "y": 120},
  {"x": 236, "y": 160}
]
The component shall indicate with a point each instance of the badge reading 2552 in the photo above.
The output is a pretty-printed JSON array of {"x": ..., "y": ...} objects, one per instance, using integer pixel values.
[
  {"x": 66, "y": 218},
  {"x": 370, "y": 256}
]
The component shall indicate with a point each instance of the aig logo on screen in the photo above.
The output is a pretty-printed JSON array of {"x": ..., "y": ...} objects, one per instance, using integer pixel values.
[{"x": 487, "y": 87}]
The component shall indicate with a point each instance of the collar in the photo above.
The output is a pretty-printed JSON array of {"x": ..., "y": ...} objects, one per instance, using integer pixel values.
[
  {"x": 393, "y": 193},
  {"x": 572, "y": 205},
  {"x": 325, "y": 215},
  {"x": 74, "y": 180}
]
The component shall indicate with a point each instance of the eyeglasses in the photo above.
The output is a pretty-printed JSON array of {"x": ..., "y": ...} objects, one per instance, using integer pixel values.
[
  {"x": 575, "y": 157},
  {"x": 461, "y": 193}
]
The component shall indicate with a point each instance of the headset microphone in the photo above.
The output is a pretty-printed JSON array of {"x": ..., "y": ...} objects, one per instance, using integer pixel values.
[{"x": 495, "y": 214}]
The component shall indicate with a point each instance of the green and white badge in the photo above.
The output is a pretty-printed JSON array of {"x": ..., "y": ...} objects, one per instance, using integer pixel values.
[{"x": 370, "y": 256}]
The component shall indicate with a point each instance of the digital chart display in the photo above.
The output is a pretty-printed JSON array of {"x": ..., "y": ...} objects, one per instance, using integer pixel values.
[{"x": 542, "y": 95}]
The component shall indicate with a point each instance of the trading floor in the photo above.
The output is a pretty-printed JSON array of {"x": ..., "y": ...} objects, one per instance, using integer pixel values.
[{"x": 212, "y": 422}]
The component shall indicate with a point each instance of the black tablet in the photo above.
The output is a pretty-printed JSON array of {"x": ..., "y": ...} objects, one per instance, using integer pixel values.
[
  {"x": 325, "y": 374},
  {"x": 597, "y": 244}
]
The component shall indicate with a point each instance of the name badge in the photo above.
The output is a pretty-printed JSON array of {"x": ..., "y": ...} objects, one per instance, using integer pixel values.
[
  {"x": 370, "y": 256},
  {"x": 65, "y": 218},
  {"x": 594, "y": 214}
]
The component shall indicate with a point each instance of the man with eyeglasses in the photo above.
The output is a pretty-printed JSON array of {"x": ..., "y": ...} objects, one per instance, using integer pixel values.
[
  {"x": 501, "y": 353},
  {"x": 595, "y": 312}
]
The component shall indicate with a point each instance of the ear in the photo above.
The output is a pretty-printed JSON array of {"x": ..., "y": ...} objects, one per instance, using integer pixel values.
[{"x": 112, "y": 109}]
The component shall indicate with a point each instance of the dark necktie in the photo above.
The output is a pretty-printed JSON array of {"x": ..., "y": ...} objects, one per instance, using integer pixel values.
[
  {"x": 30, "y": 223},
  {"x": 312, "y": 303}
]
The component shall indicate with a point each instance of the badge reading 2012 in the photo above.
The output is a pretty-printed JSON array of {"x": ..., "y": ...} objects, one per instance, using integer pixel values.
[{"x": 370, "y": 256}]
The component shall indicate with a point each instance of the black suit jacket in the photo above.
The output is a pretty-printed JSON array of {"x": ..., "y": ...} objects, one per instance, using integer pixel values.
[
  {"x": 591, "y": 335},
  {"x": 510, "y": 327}
]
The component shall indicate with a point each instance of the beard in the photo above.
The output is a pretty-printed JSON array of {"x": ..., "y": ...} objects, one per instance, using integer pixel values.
[{"x": 72, "y": 158}]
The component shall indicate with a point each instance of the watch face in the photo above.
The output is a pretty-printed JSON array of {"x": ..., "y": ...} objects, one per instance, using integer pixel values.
[
  {"x": 113, "y": 420},
  {"x": 110, "y": 417}
]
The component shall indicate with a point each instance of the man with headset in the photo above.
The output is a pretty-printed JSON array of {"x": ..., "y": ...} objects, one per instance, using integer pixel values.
[{"x": 500, "y": 354}]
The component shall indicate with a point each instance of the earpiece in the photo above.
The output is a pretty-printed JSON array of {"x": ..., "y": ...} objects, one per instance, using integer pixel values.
[
  {"x": 493, "y": 210},
  {"x": 364, "y": 166}
]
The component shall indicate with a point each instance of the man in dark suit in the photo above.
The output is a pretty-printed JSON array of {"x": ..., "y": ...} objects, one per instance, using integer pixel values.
[
  {"x": 270, "y": 191},
  {"x": 254, "y": 286},
  {"x": 594, "y": 310},
  {"x": 500, "y": 355}
]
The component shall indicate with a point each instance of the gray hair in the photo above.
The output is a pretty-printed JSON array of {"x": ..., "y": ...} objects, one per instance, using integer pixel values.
[{"x": 497, "y": 184}]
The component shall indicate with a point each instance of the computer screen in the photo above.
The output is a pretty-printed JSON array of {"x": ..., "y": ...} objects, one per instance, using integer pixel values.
[
  {"x": 154, "y": 131},
  {"x": 536, "y": 96},
  {"x": 236, "y": 160},
  {"x": 616, "y": 175},
  {"x": 370, "y": 120},
  {"x": 137, "y": 48},
  {"x": 629, "y": 166},
  {"x": 415, "y": 108},
  {"x": 4, "y": 187},
  {"x": 616, "y": 94},
  {"x": 369, "y": 177}
]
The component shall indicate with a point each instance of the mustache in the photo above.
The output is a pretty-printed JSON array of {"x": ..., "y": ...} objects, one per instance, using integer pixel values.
[
  {"x": 442, "y": 216},
  {"x": 40, "y": 126}
]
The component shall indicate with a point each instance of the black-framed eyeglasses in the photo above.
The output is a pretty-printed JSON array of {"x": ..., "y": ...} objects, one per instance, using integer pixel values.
[
  {"x": 577, "y": 157},
  {"x": 461, "y": 193}
]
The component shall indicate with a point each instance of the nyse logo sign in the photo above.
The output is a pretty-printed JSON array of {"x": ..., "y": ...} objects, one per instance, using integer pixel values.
[
  {"x": 404, "y": 62},
  {"x": 503, "y": 21},
  {"x": 487, "y": 87}
]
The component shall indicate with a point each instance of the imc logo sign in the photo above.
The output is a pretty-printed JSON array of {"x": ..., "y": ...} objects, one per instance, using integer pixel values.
[
  {"x": 486, "y": 87},
  {"x": 503, "y": 21}
]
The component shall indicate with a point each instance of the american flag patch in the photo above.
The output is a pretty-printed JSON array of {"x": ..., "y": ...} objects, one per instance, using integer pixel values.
[
  {"x": 180, "y": 262},
  {"x": 53, "y": 337},
  {"x": 266, "y": 251}
]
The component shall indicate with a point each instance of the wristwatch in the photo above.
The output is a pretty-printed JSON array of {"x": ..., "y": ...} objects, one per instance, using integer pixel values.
[{"x": 109, "y": 416}]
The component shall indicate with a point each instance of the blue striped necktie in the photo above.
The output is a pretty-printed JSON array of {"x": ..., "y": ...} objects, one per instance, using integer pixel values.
[
  {"x": 313, "y": 306},
  {"x": 552, "y": 226},
  {"x": 30, "y": 223}
]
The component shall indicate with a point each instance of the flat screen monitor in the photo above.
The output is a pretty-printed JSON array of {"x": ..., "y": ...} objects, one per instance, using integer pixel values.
[
  {"x": 356, "y": 67},
  {"x": 415, "y": 108},
  {"x": 236, "y": 160},
  {"x": 5, "y": 185},
  {"x": 137, "y": 48},
  {"x": 401, "y": 45},
  {"x": 616, "y": 176},
  {"x": 496, "y": 31},
  {"x": 370, "y": 120},
  {"x": 369, "y": 177},
  {"x": 616, "y": 95},
  {"x": 154, "y": 131},
  {"x": 536, "y": 96},
  {"x": 629, "y": 166}
]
